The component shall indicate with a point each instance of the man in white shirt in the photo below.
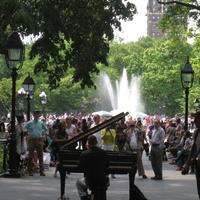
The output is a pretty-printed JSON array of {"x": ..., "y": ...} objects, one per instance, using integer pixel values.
[
  {"x": 157, "y": 145},
  {"x": 71, "y": 131}
]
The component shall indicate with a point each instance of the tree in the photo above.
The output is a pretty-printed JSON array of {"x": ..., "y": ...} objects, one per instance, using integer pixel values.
[
  {"x": 181, "y": 11},
  {"x": 173, "y": 19},
  {"x": 157, "y": 63},
  {"x": 161, "y": 84},
  {"x": 192, "y": 4},
  {"x": 5, "y": 95},
  {"x": 72, "y": 33},
  {"x": 135, "y": 60},
  {"x": 4, "y": 71}
]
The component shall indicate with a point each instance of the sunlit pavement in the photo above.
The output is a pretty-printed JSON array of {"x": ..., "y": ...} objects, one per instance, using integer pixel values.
[{"x": 174, "y": 186}]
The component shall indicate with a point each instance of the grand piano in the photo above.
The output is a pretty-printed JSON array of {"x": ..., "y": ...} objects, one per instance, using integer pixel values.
[{"x": 120, "y": 162}]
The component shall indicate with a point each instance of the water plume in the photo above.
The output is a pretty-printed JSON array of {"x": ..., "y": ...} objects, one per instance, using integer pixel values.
[{"x": 125, "y": 95}]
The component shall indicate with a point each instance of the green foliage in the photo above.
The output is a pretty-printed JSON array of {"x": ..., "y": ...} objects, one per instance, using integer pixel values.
[
  {"x": 156, "y": 62},
  {"x": 5, "y": 95},
  {"x": 73, "y": 33},
  {"x": 195, "y": 60},
  {"x": 135, "y": 58},
  {"x": 1, "y": 158},
  {"x": 4, "y": 71},
  {"x": 178, "y": 16},
  {"x": 161, "y": 79},
  {"x": 175, "y": 22}
]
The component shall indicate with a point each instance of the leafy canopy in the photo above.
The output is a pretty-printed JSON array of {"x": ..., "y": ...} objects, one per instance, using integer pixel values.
[{"x": 72, "y": 33}]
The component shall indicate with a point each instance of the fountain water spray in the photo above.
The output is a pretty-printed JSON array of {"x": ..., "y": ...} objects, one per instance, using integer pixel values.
[{"x": 125, "y": 96}]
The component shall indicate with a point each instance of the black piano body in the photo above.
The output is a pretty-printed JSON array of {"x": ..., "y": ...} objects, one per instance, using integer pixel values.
[{"x": 120, "y": 162}]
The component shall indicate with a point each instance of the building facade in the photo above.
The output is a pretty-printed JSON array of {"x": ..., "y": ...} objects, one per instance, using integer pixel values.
[{"x": 155, "y": 12}]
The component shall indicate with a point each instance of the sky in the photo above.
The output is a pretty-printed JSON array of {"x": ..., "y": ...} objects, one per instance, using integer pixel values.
[{"x": 132, "y": 30}]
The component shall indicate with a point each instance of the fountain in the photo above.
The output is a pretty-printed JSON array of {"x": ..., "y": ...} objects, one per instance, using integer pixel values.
[{"x": 125, "y": 96}]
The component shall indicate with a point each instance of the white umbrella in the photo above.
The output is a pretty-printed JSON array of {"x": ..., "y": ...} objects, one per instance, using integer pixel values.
[
  {"x": 139, "y": 115},
  {"x": 103, "y": 113}
]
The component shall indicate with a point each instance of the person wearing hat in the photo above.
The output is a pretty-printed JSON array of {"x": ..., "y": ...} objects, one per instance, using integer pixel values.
[
  {"x": 195, "y": 151},
  {"x": 35, "y": 129},
  {"x": 135, "y": 143}
]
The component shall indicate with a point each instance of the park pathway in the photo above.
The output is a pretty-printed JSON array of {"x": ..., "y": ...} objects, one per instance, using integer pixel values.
[{"x": 174, "y": 186}]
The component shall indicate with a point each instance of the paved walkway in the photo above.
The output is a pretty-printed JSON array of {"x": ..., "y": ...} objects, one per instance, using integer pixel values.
[{"x": 174, "y": 186}]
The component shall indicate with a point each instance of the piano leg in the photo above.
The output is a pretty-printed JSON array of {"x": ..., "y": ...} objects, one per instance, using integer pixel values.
[
  {"x": 62, "y": 181},
  {"x": 131, "y": 182}
]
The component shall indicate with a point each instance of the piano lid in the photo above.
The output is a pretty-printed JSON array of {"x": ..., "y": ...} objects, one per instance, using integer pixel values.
[{"x": 93, "y": 130}]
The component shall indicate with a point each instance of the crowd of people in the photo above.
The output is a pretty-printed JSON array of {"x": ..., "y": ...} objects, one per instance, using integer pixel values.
[
  {"x": 160, "y": 138},
  {"x": 130, "y": 133}
]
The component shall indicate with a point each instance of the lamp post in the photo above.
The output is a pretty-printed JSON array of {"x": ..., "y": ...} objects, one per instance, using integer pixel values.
[
  {"x": 28, "y": 86},
  {"x": 14, "y": 55},
  {"x": 196, "y": 104},
  {"x": 187, "y": 79},
  {"x": 43, "y": 98}
]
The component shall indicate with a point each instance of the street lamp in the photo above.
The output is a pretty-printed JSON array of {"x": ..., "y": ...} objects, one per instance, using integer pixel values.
[
  {"x": 28, "y": 86},
  {"x": 187, "y": 79},
  {"x": 43, "y": 98},
  {"x": 196, "y": 104},
  {"x": 14, "y": 55}
]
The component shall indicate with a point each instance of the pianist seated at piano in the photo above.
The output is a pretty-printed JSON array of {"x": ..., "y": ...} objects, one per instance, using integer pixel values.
[{"x": 94, "y": 163}]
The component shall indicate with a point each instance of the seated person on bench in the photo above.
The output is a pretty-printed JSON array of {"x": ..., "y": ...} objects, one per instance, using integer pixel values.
[{"x": 94, "y": 164}]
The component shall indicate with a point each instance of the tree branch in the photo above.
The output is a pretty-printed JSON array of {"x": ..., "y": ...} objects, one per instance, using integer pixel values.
[
  {"x": 188, "y": 5},
  {"x": 197, "y": 3}
]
